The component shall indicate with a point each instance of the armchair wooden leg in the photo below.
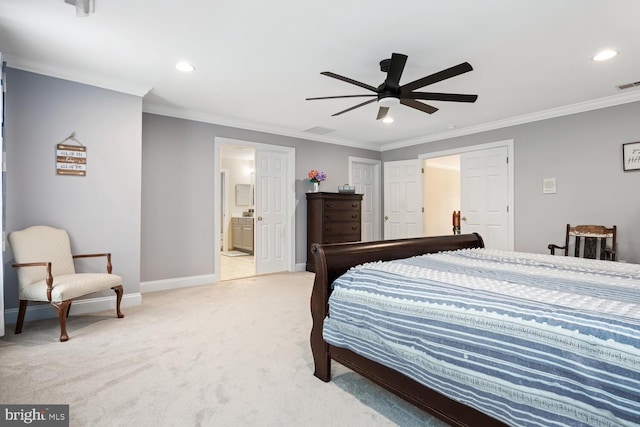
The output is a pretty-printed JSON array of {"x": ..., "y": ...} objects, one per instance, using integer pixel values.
[
  {"x": 62, "y": 308},
  {"x": 119, "y": 291},
  {"x": 21, "y": 312}
]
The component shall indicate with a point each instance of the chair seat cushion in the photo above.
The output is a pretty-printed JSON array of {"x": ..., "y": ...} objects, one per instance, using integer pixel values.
[{"x": 70, "y": 286}]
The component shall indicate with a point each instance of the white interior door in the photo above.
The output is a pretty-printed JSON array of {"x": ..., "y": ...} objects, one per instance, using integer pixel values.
[
  {"x": 402, "y": 199},
  {"x": 365, "y": 177},
  {"x": 271, "y": 226},
  {"x": 484, "y": 191}
]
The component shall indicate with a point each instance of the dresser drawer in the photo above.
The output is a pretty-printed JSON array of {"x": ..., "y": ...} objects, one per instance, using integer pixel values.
[
  {"x": 341, "y": 239},
  {"x": 341, "y": 215},
  {"x": 342, "y": 205},
  {"x": 341, "y": 228}
]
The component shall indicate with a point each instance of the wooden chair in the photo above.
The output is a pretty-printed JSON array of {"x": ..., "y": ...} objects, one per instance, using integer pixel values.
[
  {"x": 46, "y": 272},
  {"x": 456, "y": 222},
  {"x": 589, "y": 241}
]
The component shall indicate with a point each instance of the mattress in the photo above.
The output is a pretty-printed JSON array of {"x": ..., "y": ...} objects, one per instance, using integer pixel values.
[{"x": 529, "y": 339}]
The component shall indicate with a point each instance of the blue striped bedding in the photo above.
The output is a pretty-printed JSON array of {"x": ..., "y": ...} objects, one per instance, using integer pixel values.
[{"x": 530, "y": 339}]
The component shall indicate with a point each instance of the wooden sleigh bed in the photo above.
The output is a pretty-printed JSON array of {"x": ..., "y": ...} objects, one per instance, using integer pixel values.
[{"x": 334, "y": 260}]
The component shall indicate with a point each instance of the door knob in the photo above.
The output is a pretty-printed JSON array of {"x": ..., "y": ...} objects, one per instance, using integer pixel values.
[
  {"x": 464, "y": 218},
  {"x": 386, "y": 217},
  {"x": 259, "y": 218}
]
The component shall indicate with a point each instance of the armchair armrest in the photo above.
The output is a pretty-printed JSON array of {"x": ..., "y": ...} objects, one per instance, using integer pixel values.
[
  {"x": 552, "y": 247},
  {"x": 107, "y": 254},
  {"x": 49, "y": 278}
]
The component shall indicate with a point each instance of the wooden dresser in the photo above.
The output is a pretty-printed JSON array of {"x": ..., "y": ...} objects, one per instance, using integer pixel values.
[{"x": 332, "y": 218}]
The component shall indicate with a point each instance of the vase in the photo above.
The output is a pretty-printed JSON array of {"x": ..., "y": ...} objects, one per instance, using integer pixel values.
[{"x": 316, "y": 187}]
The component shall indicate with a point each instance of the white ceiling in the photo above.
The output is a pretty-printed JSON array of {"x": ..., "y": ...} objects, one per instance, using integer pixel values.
[{"x": 256, "y": 61}]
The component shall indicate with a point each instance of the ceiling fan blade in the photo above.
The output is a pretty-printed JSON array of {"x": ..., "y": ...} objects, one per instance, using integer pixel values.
[
  {"x": 396, "y": 67},
  {"x": 439, "y": 76},
  {"x": 382, "y": 113},
  {"x": 434, "y": 96},
  {"x": 348, "y": 80},
  {"x": 418, "y": 105},
  {"x": 339, "y": 96},
  {"x": 355, "y": 106}
]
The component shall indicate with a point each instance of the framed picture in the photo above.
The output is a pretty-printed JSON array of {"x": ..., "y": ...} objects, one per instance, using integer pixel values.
[{"x": 631, "y": 156}]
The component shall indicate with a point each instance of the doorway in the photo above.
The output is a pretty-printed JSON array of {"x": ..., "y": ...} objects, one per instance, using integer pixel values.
[
  {"x": 268, "y": 208},
  {"x": 441, "y": 194},
  {"x": 237, "y": 186},
  {"x": 486, "y": 192}
]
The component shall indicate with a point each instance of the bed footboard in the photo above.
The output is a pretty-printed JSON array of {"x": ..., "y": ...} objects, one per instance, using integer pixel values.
[{"x": 335, "y": 259}]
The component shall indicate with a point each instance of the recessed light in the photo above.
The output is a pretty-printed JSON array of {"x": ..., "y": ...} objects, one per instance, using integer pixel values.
[
  {"x": 387, "y": 119},
  {"x": 185, "y": 67},
  {"x": 605, "y": 54}
]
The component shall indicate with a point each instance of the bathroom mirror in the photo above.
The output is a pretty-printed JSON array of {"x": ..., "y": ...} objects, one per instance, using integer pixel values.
[{"x": 243, "y": 194}]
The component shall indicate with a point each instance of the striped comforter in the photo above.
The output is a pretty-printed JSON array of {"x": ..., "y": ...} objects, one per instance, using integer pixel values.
[{"x": 532, "y": 340}]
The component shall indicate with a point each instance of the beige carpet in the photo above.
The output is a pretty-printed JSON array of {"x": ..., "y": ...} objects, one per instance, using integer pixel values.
[{"x": 230, "y": 354}]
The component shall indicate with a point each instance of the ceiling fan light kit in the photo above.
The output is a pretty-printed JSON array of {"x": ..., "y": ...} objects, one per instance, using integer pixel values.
[
  {"x": 391, "y": 93},
  {"x": 388, "y": 101}
]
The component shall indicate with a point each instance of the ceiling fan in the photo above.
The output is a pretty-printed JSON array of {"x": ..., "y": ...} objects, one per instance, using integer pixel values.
[{"x": 390, "y": 92}]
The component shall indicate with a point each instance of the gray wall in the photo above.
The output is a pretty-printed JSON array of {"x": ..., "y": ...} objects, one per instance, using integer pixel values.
[
  {"x": 101, "y": 211},
  {"x": 584, "y": 152},
  {"x": 178, "y": 186}
]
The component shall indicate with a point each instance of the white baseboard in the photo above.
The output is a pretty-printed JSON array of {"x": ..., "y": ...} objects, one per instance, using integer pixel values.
[
  {"x": 180, "y": 282},
  {"x": 40, "y": 311},
  {"x": 301, "y": 266}
]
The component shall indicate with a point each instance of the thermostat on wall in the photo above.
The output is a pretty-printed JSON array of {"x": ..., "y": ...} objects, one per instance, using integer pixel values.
[{"x": 549, "y": 185}]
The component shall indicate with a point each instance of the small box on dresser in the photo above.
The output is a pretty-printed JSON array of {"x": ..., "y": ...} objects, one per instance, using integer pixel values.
[{"x": 332, "y": 218}]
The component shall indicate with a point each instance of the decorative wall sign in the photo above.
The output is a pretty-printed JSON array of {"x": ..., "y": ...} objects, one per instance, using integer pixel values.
[
  {"x": 71, "y": 159},
  {"x": 631, "y": 156}
]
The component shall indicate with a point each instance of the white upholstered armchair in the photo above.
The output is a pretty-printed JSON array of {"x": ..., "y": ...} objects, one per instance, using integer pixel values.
[{"x": 46, "y": 272}]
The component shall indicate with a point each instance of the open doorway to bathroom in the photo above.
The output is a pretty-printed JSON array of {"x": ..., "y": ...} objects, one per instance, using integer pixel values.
[{"x": 237, "y": 181}]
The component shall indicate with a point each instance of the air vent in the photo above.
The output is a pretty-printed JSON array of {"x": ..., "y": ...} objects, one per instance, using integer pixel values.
[
  {"x": 629, "y": 85},
  {"x": 319, "y": 130}
]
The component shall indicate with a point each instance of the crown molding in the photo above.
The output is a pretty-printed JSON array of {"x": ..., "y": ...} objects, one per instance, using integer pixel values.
[
  {"x": 164, "y": 110},
  {"x": 551, "y": 113},
  {"x": 100, "y": 81}
]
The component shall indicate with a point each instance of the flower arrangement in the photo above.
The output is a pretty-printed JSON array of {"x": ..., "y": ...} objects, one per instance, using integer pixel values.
[{"x": 316, "y": 176}]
